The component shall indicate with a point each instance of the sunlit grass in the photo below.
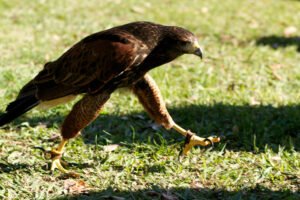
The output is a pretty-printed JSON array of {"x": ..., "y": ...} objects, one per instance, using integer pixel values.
[{"x": 245, "y": 92}]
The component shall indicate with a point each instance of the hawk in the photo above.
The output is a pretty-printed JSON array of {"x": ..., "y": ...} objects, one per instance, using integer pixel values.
[{"x": 99, "y": 64}]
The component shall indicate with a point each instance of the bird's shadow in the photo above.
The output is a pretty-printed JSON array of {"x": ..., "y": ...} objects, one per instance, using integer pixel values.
[
  {"x": 8, "y": 167},
  {"x": 276, "y": 42},
  {"x": 155, "y": 192},
  {"x": 243, "y": 127},
  {"x": 240, "y": 124}
]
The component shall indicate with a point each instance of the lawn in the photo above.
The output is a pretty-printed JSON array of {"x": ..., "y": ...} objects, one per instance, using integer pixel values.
[{"x": 246, "y": 90}]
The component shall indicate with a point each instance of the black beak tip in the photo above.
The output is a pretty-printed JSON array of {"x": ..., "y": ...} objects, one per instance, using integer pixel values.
[
  {"x": 199, "y": 53},
  {"x": 201, "y": 56}
]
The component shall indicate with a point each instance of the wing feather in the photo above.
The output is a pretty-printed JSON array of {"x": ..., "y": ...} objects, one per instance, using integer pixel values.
[{"x": 96, "y": 59}]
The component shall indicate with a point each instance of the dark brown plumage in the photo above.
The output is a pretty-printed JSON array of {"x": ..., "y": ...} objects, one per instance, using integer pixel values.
[
  {"x": 99, "y": 64},
  {"x": 104, "y": 61}
]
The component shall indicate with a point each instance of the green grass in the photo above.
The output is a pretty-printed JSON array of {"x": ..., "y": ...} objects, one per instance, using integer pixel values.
[{"x": 244, "y": 90}]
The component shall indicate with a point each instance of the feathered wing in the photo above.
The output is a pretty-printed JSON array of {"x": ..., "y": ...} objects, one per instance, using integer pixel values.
[{"x": 84, "y": 68}]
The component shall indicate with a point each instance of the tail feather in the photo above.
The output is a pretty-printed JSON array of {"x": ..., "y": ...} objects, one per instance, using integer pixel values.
[{"x": 17, "y": 108}]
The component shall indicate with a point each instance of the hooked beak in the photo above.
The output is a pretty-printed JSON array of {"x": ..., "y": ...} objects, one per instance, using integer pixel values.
[{"x": 197, "y": 50}]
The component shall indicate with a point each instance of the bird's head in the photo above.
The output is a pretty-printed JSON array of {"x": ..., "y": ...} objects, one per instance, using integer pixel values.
[{"x": 184, "y": 41}]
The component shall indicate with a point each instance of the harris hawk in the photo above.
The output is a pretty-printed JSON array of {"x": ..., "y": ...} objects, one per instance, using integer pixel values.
[{"x": 99, "y": 64}]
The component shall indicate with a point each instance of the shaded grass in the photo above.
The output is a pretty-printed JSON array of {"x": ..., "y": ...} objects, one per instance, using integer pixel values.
[
  {"x": 279, "y": 41},
  {"x": 187, "y": 193},
  {"x": 272, "y": 126},
  {"x": 246, "y": 92}
]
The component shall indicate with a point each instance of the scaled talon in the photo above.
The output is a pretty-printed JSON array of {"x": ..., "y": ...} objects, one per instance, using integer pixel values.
[
  {"x": 57, "y": 165},
  {"x": 55, "y": 155},
  {"x": 193, "y": 140}
]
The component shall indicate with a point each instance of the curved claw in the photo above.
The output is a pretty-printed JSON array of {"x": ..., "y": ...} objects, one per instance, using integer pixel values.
[
  {"x": 57, "y": 165},
  {"x": 55, "y": 155},
  {"x": 193, "y": 140}
]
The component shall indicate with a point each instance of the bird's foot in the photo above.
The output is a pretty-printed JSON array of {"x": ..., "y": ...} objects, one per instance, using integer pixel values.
[
  {"x": 55, "y": 155},
  {"x": 57, "y": 163},
  {"x": 193, "y": 140}
]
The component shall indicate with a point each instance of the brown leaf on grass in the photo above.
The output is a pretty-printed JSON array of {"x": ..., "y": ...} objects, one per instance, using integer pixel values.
[
  {"x": 276, "y": 66},
  {"x": 137, "y": 9},
  {"x": 226, "y": 38},
  {"x": 204, "y": 10},
  {"x": 196, "y": 185},
  {"x": 229, "y": 39},
  {"x": 2, "y": 92},
  {"x": 274, "y": 69},
  {"x": 254, "y": 24},
  {"x": 276, "y": 75},
  {"x": 75, "y": 186},
  {"x": 290, "y": 31},
  {"x": 111, "y": 147},
  {"x": 56, "y": 38},
  {"x": 254, "y": 101}
]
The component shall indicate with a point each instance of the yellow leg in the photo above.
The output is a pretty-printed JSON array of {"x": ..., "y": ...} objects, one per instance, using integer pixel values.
[
  {"x": 55, "y": 156},
  {"x": 193, "y": 140},
  {"x": 60, "y": 148},
  {"x": 180, "y": 130}
]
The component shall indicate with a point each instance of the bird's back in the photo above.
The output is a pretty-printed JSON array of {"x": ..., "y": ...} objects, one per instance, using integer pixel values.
[{"x": 117, "y": 57}]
